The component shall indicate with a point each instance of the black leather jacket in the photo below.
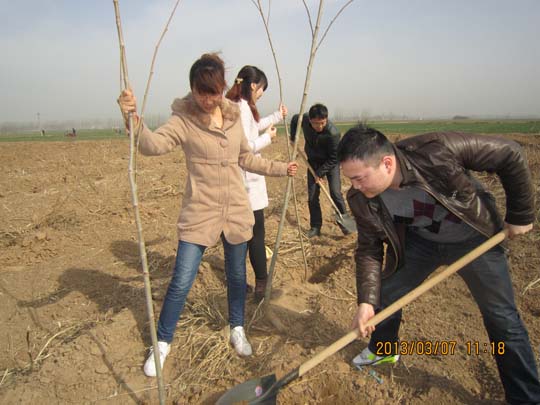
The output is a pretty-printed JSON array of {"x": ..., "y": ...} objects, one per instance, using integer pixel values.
[{"x": 440, "y": 164}]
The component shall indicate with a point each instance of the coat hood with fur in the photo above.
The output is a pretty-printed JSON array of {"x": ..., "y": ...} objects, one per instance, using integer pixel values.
[{"x": 187, "y": 106}]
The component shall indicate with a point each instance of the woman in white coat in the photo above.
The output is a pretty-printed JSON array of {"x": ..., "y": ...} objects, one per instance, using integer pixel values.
[{"x": 249, "y": 86}]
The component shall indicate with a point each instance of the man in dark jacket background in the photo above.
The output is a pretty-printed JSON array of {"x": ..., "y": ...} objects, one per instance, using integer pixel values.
[
  {"x": 419, "y": 198},
  {"x": 321, "y": 142}
]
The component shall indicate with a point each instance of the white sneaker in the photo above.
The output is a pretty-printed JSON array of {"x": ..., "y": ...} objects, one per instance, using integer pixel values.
[
  {"x": 150, "y": 363},
  {"x": 240, "y": 342},
  {"x": 368, "y": 358}
]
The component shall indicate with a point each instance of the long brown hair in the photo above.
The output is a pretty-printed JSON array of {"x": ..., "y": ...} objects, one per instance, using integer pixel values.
[
  {"x": 207, "y": 74},
  {"x": 242, "y": 87}
]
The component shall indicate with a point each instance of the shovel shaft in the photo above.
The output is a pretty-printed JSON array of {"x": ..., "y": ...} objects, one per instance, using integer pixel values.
[
  {"x": 406, "y": 299},
  {"x": 323, "y": 188}
]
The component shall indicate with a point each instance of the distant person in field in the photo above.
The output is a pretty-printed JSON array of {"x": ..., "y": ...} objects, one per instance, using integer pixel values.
[
  {"x": 321, "y": 142},
  {"x": 74, "y": 132},
  {"x": 215, "y": 205},
  {"x": 419, "y": 198},
  {"x": 249, "y": 86}
]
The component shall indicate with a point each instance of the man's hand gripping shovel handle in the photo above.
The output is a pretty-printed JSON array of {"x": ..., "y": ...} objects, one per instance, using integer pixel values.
[{"x": 406, "y": 299}]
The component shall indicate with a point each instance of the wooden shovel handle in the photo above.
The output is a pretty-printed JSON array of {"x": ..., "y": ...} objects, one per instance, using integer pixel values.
[
  {"x": 323, "y": 188},
  {"x": 406, "y": 299}
]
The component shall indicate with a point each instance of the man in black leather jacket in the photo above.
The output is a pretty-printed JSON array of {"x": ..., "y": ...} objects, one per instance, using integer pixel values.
[
  {"x": 322, "y": 138},
  {"x": 419, "y": 198}
]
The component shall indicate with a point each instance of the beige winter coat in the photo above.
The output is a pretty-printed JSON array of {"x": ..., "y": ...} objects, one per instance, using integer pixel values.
[{"x": 215, "y": 199}]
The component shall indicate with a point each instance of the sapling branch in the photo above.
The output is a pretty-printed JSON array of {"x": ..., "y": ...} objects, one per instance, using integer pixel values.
[
  {"x": 285, "y": 204},
  {"x": 259, "y": 7},
  {"x": 134, "y": 194}
]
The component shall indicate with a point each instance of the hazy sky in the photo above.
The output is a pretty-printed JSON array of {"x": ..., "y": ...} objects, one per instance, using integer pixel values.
[{"x": 416, "y": 57}]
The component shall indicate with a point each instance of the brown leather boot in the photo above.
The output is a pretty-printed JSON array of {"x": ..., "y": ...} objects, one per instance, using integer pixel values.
[{"x": 260, "y": 288}]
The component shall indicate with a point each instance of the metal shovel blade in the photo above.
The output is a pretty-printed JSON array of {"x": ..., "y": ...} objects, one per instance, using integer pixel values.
[
  {"x": 264, "y": 390},
  {"x": 250, "y": 392},
  {"x": 346, "y": 222}
]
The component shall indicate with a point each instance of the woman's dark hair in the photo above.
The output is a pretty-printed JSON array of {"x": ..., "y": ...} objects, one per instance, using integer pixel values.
[
  {"x": 247, "y": 76},
  {"x": 364, "y": 143},
  {"x": 318, "y": 111},
  {"x": 207, "y": 74}
]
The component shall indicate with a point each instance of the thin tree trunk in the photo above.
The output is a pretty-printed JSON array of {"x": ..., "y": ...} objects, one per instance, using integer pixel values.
[
  {"x": 268, "y": 291},
  {"x": 266, "y": 26},
  {"x": 138, "y": 222},
  {"x": 314, "y": 47}
]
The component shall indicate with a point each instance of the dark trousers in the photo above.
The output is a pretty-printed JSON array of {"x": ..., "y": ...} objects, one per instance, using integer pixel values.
[
  {"x": 489, "y": 282},
  {"x": 256, "y": 247},
  {"x": 314, "y": 191}
]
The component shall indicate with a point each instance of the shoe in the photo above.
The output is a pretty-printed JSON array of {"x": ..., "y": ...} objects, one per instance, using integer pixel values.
[
  {"x": 268, "y": 252},
  {"x": 260, "y": 289},
  {"x": 314, "y": 232},
  {"x": 150, "y": 364},
  {"x": 240, "y": 342},
  {"x": 368, "y": 358}
]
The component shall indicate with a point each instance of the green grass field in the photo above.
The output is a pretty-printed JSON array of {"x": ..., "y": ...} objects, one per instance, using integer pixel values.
[
  {"x": 59, "y": 136},
  {"x": 388, "y": 127},
  {"x": 481, "y": 127}
]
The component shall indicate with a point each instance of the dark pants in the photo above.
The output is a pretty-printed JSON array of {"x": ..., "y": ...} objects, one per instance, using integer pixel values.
[
  {"x": 314, "y": 191},
  {"x": 256, "y": 247},
  {"x": 489, "y": 282}
]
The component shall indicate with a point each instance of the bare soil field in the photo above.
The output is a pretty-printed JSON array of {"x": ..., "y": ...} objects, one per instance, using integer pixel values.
[{"x": 74, "y": 326}]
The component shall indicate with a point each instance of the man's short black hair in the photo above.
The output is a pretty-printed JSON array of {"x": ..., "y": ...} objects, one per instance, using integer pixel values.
[
  {"x": 318, "y": 111},
  {"x": 364, "y": 143}
]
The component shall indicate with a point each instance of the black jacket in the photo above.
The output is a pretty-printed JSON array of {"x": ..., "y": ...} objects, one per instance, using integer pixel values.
[
  {"x": 320, "y": 147},
  {"x": 439, "y": 163}
]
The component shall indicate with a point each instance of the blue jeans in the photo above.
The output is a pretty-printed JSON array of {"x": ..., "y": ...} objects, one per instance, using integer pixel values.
[
  {"x": 489, "y": 282},
  {"x": 188, "y": 259}
]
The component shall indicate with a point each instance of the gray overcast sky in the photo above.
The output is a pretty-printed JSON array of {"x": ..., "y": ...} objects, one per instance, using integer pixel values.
[{"x": 421, "y": 58}]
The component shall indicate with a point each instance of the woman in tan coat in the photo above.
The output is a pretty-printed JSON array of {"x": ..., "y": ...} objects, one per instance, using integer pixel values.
[{"x": 215, "y": 205}]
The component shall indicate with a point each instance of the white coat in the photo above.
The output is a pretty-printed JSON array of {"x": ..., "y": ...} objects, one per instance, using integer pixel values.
[{"x": 255, "y": 183}]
